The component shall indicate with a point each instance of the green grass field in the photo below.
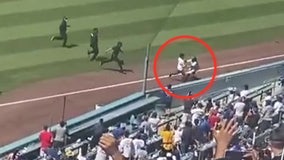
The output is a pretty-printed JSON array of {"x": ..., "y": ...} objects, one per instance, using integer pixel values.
[{"x": 27, "y": 55}]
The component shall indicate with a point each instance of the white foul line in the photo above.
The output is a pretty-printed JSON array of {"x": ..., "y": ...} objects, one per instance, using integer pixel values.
[{"x": 132, "y": 82}]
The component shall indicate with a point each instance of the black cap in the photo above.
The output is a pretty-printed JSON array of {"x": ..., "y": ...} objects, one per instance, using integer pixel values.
[{"x": 278, "y": 134}]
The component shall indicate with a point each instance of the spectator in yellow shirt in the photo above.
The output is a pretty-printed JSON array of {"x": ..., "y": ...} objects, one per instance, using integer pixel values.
[{"x": 167, "y": 139}]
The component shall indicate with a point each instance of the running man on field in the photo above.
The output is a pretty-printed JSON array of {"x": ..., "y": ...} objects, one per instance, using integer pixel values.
[
  {"x": 116, "y": 50},
  {"x": 181, "y": 66},
  {"x": 94, "y": 44},
  {"x": 63, "y": 32}
]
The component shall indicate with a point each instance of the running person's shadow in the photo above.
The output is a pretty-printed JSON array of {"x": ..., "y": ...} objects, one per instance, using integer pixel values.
[
  {"x": 124, "y": 71},
  {"x": 72, "y": 45}
]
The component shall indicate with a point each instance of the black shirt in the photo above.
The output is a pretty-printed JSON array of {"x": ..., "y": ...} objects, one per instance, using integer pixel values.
[
  {"x": 116, "y": 50},
  {"x": 188, "y": 105},
  {"x": 63, "y": 27},
  {"x": 94, "y": 40},
  {"x": 187, "y": 136}
]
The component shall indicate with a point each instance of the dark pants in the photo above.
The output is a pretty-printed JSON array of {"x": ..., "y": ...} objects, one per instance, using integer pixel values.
[
  {"x": 58, "y": 144},
  {"x": 185, "y": 76},
  {"x": 264, "y": 125},
  {"x": 115, "y": 59},
  {"x": 63, "y": 36},
  {"x": 94, "y": 51}
]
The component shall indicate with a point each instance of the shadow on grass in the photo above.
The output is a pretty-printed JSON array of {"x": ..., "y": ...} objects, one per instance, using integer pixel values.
[
  {"x": 124, "y": 71},
  {"x": 72, "y": 45},
  {"x": 101, "y": 58}
]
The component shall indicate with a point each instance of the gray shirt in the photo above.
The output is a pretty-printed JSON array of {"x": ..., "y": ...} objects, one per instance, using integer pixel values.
[
  {"x": 60, "y": 133},
  {"x": 268, "y": 113}
]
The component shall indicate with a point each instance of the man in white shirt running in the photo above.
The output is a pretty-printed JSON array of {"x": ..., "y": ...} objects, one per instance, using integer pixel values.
[{"x": 180, "y": 66}]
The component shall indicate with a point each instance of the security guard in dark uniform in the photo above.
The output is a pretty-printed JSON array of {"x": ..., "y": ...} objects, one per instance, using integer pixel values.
[
  {"x": 116, "y": 50},
  {"x": 63, "y": 32},
  {"x": 94, "y": 44}
]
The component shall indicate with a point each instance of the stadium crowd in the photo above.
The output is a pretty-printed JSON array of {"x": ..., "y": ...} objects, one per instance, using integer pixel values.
[{"x": 236, "y": 128}]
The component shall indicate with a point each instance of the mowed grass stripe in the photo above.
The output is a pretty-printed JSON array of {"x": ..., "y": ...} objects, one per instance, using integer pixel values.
[
  {"x": 17, "y": 77},
  {"x": 44, "y": 28},
  {"x": 224, "y": 28},
  {"x": 204, "y": 6},
  {"x": 116, "y": 32},
  {"x": 83, "y": 23},
  {"x": 136, "y": 41},
  {"x": 20, "y": 6},
  {"x": 96, "y": 9},
  {"x": 225, "y": 15}
]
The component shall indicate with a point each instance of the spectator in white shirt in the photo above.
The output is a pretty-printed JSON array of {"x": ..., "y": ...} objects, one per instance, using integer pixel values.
[
  {"x": 245, "y": 92},
  {"x": 126, "y": 146},
  {"x": 154, "y": 120},
  {"x": 268, "y": 97},
  {"x": 239, "y": 110},
  {"x": 197, "y": 112},
  {"x": 138, "y": 144},
  {"x": 232, "y": 95},
  {"x": 101, "y": 155},
  {"x": 177, "y": 135},
  {"x": 145, "y": 125},
  {"x": 267, "y": 116},
  {"x": 278, "y": 107}
]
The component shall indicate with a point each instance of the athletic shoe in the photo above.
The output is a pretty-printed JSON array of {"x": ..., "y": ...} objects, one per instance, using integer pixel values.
[{"x": 52, "y": 38}]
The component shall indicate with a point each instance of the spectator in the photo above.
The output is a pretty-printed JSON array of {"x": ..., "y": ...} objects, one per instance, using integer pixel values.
[
  {"x": 83, "y": 153},
  {"x": 98, "y": 131},
  {"x": 232, "y": 95},
  {"x": 46, "y": 139},
  {"x": 145, "y": 125},
  {"x": 267, "y": 116},
  {"x": 197, "y": 132},
  {"x": 166, "y": 98},
  {"x": 239, "y": 110},
  {"x": 209, "y": 105},
  {"x": 205, "y": 126},
  {"x": 118, "y": 132},
  {"x": 267, "y": 97},
  {"x": 177, "y": 135},
  {"x": 138, "y": 145},
  {"x": 154, "y": 120},
  {"x": 188, "y": 104},
  {"x": 277, "y": 143},
  {"x": 126, "y": 147},
  {"x": 278, "y": 106},
  {"x": 108, "y": 145},
  {"x": 187, "y": 137},
  {"x": 223, "y": 137},
  {"x": 60, "y": 135},
  {"x": 229, "y": 112},
  {"x": 213, "y": 119},
  {"x": 244, "y": 93},
  {"x": 167, "y": 139},
  {"x": 197, "y": 112}
]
